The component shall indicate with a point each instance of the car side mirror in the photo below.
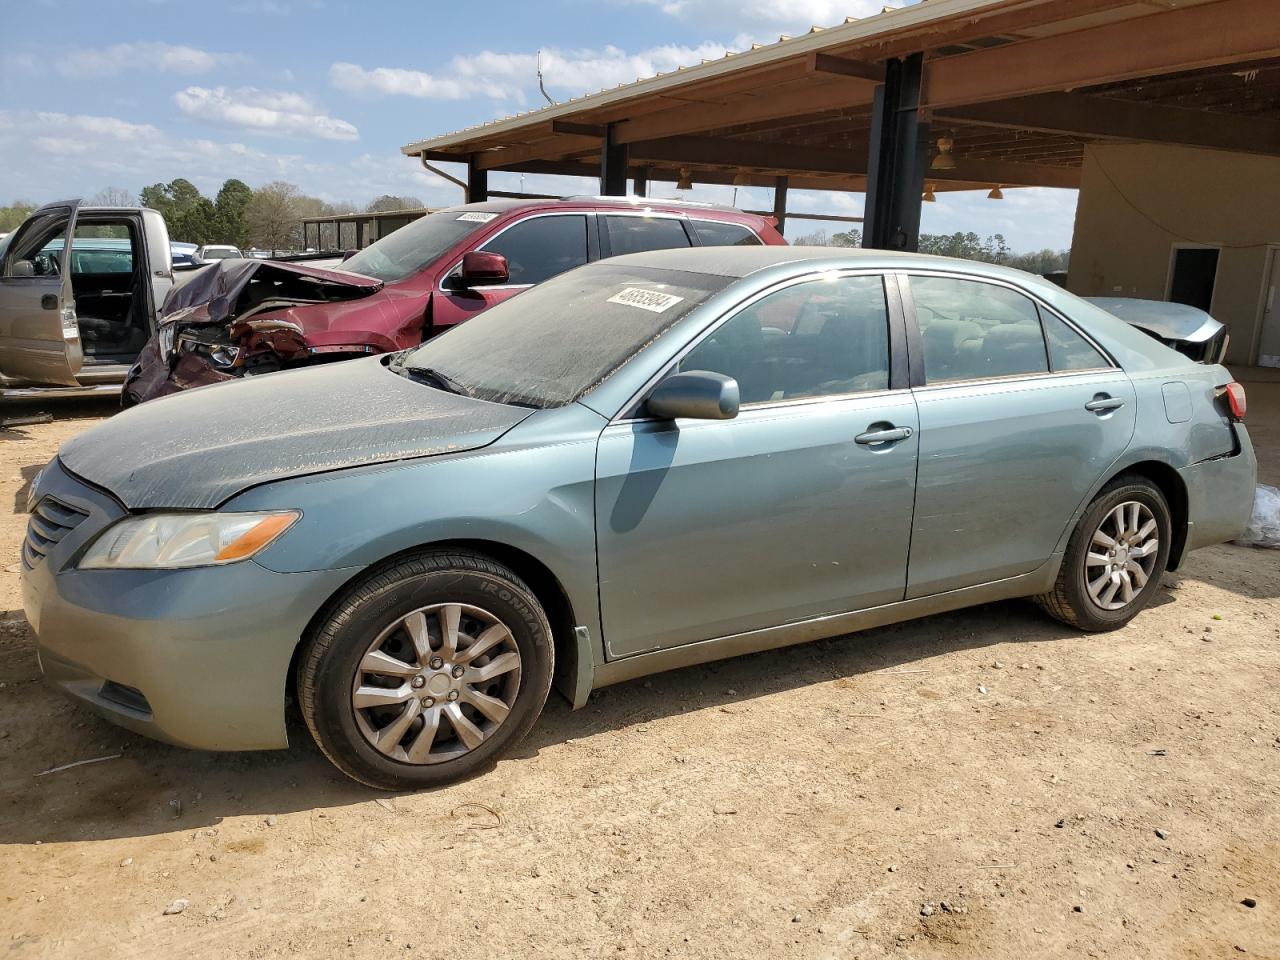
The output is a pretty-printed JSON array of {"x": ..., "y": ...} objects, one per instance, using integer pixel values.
[
  {"x": 484, "y": 268},
  {"x": 348, "y": 254},
  {"x": 23, "y": 268},
  {"x": 695, "y": 395}
]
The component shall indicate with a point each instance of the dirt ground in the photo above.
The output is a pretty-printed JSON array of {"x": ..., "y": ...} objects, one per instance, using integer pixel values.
[{"x": 982, "y": 784}]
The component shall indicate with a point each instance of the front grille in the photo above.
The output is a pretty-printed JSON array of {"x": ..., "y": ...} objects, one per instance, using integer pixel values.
[{"x": 50, "y": 521}]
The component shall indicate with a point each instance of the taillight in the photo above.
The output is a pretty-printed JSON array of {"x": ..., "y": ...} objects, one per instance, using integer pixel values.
[{"x": 1236, "y": 398}]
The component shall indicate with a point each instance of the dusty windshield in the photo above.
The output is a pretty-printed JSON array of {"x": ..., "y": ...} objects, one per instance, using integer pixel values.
[
  {"x": 416, "y": 244},
  {"x": 551, "y": 344}
]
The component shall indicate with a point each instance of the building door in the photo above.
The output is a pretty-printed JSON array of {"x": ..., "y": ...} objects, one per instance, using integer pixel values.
[
  {"x": 1269, "y": 336},
  {"x": 1193, "y": 276}
]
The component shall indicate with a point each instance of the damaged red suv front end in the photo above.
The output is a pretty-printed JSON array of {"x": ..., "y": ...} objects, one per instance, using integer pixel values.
[{"x": 238, "y": 318}]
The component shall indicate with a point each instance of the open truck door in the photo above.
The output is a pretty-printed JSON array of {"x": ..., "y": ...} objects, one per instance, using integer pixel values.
[{"x": 39, "y": 335}]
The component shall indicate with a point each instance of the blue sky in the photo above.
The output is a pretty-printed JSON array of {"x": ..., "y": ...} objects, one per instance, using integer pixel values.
[{"x": 323, "y": 93}]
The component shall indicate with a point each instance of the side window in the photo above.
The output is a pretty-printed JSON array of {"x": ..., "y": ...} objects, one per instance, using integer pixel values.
[
  {"x": 36, "y": 250},
  {"x": 714, "y": 233},
  {"x": 1067, "y": 349},
  {"x": 973, "y": 330},
  {"x": 813, "y": 339},
  {"x": 101, "y": 248},
  {"x": 542, "y": 247},
  {"x": 637, "y": 234}
]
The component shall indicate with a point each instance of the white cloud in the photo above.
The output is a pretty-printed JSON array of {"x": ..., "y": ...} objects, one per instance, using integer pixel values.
[
  {"x": 795, "y": 16},
  {"x": 141, "y": 55},
  {"x": 49, "y": 156},
  {"x": 263, "y": 111},
  {"x": 513, "y": 76}
]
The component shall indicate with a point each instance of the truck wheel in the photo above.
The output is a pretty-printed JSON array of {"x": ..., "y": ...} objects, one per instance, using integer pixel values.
[{"x": 426, "y": 671}]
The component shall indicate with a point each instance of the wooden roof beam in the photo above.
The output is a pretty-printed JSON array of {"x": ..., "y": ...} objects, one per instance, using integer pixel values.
[
  {"x": 1082, "y": 115},
  {"x": 1184, "y": 38},
  {"x": 690, "y": 150},
  {"x": 843, "y": 66}
]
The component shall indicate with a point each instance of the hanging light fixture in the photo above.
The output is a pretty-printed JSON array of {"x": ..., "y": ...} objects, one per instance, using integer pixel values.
[
  {"x": 944, "y": 160},
  {"x": 928, "y": 194},
  {"x": 686, "y": 180},
  {"x": 996, "y": 193},
  {"x": 742, "y": 179}
]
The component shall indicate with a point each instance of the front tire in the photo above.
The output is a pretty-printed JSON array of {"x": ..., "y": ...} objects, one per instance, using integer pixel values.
[
  {"x": 427, "y": 671},
  {"x": 1115, "y": 558}
]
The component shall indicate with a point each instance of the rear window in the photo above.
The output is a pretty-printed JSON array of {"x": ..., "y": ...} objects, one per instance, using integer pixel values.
[{"x": 714, "y": 233}]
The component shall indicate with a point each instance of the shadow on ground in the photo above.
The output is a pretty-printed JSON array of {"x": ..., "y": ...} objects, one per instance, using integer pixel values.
[{"x": 132, "y": 795}]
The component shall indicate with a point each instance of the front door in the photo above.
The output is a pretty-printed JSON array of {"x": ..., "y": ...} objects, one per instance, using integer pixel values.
[
  {"x": 1020, "y": 416},
  {"x": 799, "y": 507},
  {"x": 39, "y": 336},
  {"x": 536, "y": 248}
]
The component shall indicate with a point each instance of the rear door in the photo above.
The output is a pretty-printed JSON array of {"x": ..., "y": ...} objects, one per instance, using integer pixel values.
[
  {"x": 1020, "y": 414},
  {"x": 39, "y": 336}
]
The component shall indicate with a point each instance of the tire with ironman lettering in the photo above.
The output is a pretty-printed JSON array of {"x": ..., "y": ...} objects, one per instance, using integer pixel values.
[{"x": 426, "y": 671}]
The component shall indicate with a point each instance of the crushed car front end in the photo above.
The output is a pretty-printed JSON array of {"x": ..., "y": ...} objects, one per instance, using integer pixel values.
[{"x": 239, "y": 318}]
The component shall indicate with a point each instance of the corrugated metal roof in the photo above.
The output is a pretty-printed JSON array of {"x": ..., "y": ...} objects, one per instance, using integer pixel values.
[{"x": 889, "y": 22}]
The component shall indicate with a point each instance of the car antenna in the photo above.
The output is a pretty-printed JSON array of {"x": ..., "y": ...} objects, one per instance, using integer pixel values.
[{"x": 541, "y": 85}]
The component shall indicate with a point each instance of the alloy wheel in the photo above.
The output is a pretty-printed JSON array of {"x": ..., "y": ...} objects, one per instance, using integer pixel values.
[
  {"x": 1122, "y": 555},
  {"x": 436, "y": 683}
]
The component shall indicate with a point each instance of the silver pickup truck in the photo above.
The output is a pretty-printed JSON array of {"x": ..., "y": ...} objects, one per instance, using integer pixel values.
[{"x": 80, "y": 288}]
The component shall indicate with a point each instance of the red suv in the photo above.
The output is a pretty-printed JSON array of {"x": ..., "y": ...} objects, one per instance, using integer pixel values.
[{"x": 237, "y": 318}]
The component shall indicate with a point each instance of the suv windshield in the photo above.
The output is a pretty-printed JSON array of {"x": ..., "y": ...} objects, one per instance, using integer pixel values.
[
  {"x": 550, "y": 345},
  {"x": 416, "y": 244}
]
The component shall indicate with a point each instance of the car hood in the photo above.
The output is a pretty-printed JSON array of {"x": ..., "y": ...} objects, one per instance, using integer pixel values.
[
  {"x": 199, "y": 448},
  {"x": 223, "y": 290}
]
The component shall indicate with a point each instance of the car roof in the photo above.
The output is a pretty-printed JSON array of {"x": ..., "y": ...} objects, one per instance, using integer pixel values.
[{"x": 744, "y": 261}]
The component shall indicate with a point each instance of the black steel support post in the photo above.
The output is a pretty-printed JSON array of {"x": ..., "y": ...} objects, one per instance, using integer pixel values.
[
  {"x": 780, "y": 201},
  {"x": 640, "y": 182},
  {"x": 477, "y": 181},
  {"x": 895, "y": 167},
  {"x": 613, "y": 166}
]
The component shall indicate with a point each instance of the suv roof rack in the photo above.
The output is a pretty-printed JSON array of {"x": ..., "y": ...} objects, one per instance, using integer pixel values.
[{"x": 634, "y": 200}]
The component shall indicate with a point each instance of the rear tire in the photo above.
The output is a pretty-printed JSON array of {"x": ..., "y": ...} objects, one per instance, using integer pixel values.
[
  {"x": 427, "y": 671},
  {"x": 1115, "y": 557}
]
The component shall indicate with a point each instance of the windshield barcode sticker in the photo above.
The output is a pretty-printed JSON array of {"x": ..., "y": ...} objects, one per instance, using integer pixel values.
[
  {"x": 475, "y": 216},
  {"x": 649, "y": 300}
]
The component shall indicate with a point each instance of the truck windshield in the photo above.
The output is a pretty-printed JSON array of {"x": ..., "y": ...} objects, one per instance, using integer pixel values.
[
  {"x": 416, "y": 244},
  {"x": 553, "y": 343}
]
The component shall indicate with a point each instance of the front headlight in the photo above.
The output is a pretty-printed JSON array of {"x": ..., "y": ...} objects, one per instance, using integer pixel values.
[{"x": 162, "y": 541}]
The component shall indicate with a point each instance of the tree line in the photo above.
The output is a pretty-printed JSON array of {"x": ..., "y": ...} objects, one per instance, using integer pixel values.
[
  {"x": 268, "y": 218},
  {"x": 965, "y": 246}
]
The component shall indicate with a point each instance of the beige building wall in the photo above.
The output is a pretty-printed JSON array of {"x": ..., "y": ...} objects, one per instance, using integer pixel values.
[{"x": 1138, "y": 201}]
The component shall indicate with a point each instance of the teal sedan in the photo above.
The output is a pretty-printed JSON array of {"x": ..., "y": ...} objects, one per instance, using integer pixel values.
[{"x": 649, "y": 462}]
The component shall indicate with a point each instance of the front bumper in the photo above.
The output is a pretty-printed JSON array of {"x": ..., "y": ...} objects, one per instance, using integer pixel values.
[{"x": 198, "y": 658}]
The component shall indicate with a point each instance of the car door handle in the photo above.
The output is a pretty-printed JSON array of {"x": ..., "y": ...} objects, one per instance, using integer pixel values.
[
  {"x": 49, "y": 301},
  {"x": 1103, "y": 404},
  {"x": 889, "y": 435}
]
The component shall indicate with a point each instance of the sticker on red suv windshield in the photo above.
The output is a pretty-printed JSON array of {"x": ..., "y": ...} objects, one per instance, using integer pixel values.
[
  {"x": 476, "y": 216},
  {"x": 650, "y": 300}
]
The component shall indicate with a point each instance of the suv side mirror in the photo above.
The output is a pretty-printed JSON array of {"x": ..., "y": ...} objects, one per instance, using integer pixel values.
[
  {"x": 695, "y": 395},
  {"x": 483, "y": 268},
  {"x": 348, "y": 254}
]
